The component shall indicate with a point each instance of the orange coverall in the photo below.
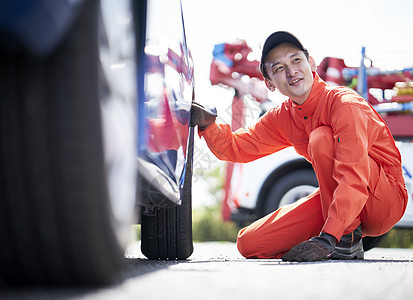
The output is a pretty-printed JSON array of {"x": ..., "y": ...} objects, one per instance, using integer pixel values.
[{"x": 354, "y": 157}]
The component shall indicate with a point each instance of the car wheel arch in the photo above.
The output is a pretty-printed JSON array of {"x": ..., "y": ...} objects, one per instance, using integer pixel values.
[{"x": 275, "y": 176}]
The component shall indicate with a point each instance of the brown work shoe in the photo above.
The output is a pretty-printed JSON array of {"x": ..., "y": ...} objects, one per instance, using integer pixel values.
[{"x": 307, "y": 251}]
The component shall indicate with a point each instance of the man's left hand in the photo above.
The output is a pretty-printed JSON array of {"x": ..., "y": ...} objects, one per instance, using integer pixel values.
[
  {"x": 202, "y": 116},
  {"x": 315, "y": 249}
]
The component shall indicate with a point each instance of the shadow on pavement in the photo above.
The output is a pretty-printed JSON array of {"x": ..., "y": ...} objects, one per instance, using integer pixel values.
[{"x": 133, "y": 268}]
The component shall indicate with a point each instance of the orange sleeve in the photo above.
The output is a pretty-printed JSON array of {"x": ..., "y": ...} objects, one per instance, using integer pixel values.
[
  {"x": 245, "y": 145},
  {"x": 351, "y": 132}
]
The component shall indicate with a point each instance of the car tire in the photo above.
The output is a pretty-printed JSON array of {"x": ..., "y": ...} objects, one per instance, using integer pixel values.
[
  {"x": 298, "y": 184},
  {"x": 166, "y": 233},
  {"x": 59, "y": 224}
]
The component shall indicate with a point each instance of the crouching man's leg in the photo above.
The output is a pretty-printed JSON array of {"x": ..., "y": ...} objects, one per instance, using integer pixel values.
[
  {"x": 386, "y": 203},
  {"x": 384, "y": 206},
  {"x": 275, "y": 234},
  {"x": 323, "y": 245}
]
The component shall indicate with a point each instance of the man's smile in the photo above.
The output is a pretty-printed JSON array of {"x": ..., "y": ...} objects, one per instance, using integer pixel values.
[{"x": 295, "y": 81}]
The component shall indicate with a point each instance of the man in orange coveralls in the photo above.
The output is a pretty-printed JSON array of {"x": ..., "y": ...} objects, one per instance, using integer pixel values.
[{"x": 361, "y": 187}]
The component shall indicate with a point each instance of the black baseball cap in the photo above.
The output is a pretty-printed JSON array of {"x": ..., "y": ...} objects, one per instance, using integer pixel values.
[{"x": 276, "y": 39}]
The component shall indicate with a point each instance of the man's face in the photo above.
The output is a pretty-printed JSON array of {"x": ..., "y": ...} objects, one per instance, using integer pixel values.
[{"x": 290, "y": 72}]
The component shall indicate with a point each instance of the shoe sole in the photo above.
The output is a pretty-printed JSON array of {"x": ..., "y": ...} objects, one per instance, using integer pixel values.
[
  {"x": 359, "y": 255},
  {"x": 354, "y": 252}
]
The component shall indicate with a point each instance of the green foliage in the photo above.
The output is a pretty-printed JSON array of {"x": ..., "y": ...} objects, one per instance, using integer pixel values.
[
  {"x": 207, "y": 225},
  {"x": 136, "y": 232},
  {"x": 398, "y": 238}
]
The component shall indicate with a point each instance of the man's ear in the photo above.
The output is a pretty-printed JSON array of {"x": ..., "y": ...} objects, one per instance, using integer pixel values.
[
  {"x": 269, "y": 85},
  {"x": 312, "y": 64}
]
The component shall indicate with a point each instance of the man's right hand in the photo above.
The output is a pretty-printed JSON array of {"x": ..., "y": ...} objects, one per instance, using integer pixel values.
[{"x": 201, "y": 116}]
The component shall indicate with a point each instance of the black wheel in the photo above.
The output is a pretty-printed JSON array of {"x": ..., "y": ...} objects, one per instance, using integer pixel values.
[
  {"x": 290, "y": 188},
  {"x": 166, "y": 233},
  {"x": 67, "y": 177},
  {"x": 369, "y": 242}
]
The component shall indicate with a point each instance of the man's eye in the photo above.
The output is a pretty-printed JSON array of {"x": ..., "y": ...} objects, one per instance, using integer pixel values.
[
  {"x": 297, "y": 59},
  {"x": 277, "y": 69}
]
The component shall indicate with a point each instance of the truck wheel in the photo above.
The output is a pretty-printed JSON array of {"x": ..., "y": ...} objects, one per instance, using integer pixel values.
[
  {"x": 290, "y": 188},
  {"x": 166, "y": 233},
  {"x": 67, "y": 189}
]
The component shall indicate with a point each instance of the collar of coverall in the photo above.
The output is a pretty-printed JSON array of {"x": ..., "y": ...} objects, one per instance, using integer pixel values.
[{"x": 312, "y": 100}]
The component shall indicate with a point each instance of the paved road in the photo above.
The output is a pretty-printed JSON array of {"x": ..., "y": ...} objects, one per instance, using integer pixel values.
[{"x": 216, "y": 271}]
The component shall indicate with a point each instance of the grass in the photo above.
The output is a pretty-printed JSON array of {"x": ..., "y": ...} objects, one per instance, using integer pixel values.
[
  {"x": 398, "y": 238},
  {"x": 207, "y": 225}
]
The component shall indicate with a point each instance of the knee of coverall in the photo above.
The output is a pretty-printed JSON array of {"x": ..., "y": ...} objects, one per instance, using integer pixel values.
[
  {"x": 244, "y": 244},
  {"x": 252, "y": 244},
  {"x": 321, "y": 142}
]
